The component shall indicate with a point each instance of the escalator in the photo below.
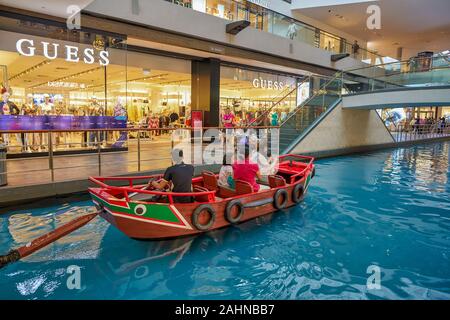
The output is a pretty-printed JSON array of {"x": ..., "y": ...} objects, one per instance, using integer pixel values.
[{"x": 394, "y": 76}]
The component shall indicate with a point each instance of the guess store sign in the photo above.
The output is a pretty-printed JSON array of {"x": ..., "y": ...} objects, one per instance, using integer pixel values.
[{"x": 28, "y": 48}]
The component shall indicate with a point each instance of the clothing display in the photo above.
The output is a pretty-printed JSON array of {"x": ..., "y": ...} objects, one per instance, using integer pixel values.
[
  {"x": 8, "y": 107},
  {"x": 119, "y": 110},
  {"x": 47, "y": 107}
]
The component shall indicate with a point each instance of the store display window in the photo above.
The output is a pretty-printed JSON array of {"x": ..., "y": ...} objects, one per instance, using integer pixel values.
[
  {"x": 54, "y": 78},
  {"x": 157, "y": 88},
  {"x": 59, "y": 82},
  {"x": 330, "y": 42},
  {"x": 248, "y": 94}
]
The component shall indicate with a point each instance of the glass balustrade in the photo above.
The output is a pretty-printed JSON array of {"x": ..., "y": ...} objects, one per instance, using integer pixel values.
[
  {"x": 281, "y": 25},
  {"x": 415, "y": 72},
  {"x": 309, "y": 111}
]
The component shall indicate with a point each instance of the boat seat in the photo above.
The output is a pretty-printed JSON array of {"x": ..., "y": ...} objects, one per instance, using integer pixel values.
[
  {"x": 202, "y": 198},
  {"x": 243, "y": 187},
  {"x": 142, "y": 197},
  {"x": 210, "y": 181},
  {"x": 225, "y": 192},
  {"x": 138, "y": 196},
  {"x": 276, "y": 181}
]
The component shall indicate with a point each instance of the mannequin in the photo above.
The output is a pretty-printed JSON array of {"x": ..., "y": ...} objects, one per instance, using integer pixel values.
[
  {"x": 60, "y": 137},
  {"x": 95, "y": 109},
  {"x": 8, "y": 107},
  {"x": 60, "y": 108},
  {"x": 47, "y": 107},
  {"x": 119, "y": 111},
  {"x": 29, "y": 109}
]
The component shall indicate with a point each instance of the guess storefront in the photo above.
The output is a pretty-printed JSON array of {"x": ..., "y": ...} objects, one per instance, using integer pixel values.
[
  {"x": 56, "y": 79},
  {"x": 249, "y": 92},
  {"x": 52, "y": 78}
]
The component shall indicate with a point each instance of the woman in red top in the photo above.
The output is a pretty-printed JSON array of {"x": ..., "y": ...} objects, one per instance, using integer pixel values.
[{"x": 247, "y": 171}]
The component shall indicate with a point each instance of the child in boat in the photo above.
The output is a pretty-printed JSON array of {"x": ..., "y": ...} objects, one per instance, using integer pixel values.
[{"x": 226, "y": 172}]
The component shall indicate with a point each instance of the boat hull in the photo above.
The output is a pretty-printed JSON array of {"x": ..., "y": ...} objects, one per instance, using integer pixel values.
[{"x": 152, "y": 221}]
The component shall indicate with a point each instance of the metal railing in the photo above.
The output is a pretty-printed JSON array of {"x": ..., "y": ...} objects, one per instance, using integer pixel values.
[
  {"x": 413, "y": 72},
  {"x": 287, "y": 94},
  {"x": 413, "y": 132},
  {"x": 144, "y": 149},
  {"x": 320, "y": 94}
]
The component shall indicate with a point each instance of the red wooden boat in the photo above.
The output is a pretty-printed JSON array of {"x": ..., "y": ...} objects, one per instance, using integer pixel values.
[{"x": 134, "y": 210}]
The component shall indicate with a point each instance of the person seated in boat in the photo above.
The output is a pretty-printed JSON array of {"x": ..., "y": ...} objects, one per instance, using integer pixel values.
[
  {"x": 226, "y": 172},
  {"x": 180, "y": 175},
  {"x": 267, "y": 165},
  {"x": 247, "y": 170}
]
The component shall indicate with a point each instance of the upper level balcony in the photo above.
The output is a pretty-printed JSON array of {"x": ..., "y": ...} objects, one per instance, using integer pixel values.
[{"x": 267, "y": 20}]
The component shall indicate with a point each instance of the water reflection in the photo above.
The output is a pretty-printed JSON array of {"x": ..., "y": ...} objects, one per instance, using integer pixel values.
[
  {"x": 22, "y": 228},
  {"x": 429, "y": 166},
  {"x": 389, "y": 208}
]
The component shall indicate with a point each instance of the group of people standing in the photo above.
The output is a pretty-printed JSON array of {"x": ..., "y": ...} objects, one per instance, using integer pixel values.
[
  {"x": 423, "y": 125},
  {"x": 162, "y": 121},
  {"x": 273, "y": 117}
]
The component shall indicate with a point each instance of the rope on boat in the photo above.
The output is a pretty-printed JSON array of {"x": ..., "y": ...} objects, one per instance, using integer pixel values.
[{"x": 46, "y": 239}]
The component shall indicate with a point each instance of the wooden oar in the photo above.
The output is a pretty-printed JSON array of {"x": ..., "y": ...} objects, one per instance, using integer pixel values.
[{"x": 46, "y": 239}]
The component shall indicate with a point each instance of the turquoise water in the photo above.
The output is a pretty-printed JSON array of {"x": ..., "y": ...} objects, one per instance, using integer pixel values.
[{"x": 390, "y": 209}]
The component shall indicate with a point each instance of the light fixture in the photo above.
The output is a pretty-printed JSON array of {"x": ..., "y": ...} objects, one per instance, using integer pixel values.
[
  {"x": 339, "y": 56},
  {"x": 237, "y": 26}
]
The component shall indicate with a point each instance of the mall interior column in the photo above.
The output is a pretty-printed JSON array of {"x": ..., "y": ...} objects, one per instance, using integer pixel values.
[{"x": 206, "y": 90}]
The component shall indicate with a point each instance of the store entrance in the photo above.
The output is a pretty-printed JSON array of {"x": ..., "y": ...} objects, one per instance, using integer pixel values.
[{"x": 249, "y": 94}]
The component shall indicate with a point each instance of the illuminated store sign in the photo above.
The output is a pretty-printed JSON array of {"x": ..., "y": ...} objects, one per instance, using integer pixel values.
[
  {"x": 268, "y": 84},
  {"x": 72, "y": 54},
  {"x": 62, "y": 84}
]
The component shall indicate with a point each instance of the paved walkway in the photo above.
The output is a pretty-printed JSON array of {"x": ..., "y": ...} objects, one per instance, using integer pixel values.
[
  {"x": 155, "y": 155},
  {"x": 30, "y": 171}
]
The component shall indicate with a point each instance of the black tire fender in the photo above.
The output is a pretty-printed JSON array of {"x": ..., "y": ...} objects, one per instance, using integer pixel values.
[
  {"x": 280, "y": 193},
  {"x": 196, "y": 214},
  {"x": 229, "y": 209},
  {"x": 298, "y": 193}
]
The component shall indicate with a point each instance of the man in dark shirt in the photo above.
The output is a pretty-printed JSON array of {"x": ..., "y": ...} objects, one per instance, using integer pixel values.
[{"x": 180, "y": 175}]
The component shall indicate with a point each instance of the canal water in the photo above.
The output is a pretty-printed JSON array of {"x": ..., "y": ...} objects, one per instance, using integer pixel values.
[{"x": 386, "y": 211}]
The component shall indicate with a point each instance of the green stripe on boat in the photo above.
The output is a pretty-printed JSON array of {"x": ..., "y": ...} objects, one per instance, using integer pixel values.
[{"x": 160, "y": 212}]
